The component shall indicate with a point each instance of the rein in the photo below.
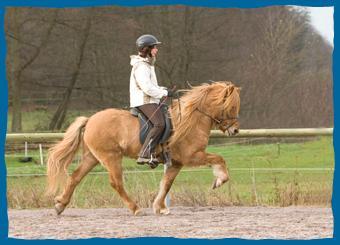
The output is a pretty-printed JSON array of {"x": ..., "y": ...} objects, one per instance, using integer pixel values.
[
  {"x": 218, "y": 121},
  {"x": 212, "y": 118}
]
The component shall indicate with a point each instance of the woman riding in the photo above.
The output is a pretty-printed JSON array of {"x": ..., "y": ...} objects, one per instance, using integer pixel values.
[{"x": 145, "y": 94}]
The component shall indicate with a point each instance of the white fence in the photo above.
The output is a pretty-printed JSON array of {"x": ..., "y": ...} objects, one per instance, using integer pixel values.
[
  {"x": 244, "y": 133},
  {"x": 42, "y": 138}
]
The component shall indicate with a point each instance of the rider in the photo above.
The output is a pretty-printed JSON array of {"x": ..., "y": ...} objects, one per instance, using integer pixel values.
[{"x": 145, "y": 94}]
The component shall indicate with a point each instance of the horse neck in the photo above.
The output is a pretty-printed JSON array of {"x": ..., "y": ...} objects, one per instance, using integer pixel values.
[{"x": 201, "y": 125}]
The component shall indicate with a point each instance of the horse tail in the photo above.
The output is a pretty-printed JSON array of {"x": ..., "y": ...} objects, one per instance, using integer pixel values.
[{"x": 61, "y": 155}]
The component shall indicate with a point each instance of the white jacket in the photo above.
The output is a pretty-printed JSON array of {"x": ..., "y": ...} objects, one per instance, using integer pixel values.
[{"x": 144, "y": 88}]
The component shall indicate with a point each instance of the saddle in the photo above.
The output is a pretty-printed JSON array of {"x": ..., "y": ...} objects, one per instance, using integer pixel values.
[{"x": 145, "y": 125}]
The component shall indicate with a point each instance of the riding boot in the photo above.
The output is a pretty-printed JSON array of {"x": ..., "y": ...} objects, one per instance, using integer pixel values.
[{"x": 147, "y": 154}]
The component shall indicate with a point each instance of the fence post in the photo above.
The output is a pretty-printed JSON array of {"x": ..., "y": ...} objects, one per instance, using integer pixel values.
[
  {"x": 254, "y": 184},
  {"x": 41, "y": 155},
  {"x": 26, "y": 150}
]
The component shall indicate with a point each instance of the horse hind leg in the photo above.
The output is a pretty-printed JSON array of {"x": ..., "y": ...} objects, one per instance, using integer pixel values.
[
  {"x": 86, "y": 165},
  {"x": 113, "y": 163},
  {"x": 170, "y": 174}
]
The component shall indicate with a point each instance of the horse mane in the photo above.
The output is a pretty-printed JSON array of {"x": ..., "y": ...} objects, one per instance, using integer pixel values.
[{"x": 221, "y": 98}]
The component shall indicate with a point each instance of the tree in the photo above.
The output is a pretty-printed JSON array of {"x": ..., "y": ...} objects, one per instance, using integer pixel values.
[
  {"x": 59, "y": 115},
  {"x": 19, "y": 65},
  {"x": 281, "y": 63}
]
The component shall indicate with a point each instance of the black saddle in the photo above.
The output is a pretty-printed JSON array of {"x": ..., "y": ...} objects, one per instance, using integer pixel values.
[{"x": 145, "y": 125}]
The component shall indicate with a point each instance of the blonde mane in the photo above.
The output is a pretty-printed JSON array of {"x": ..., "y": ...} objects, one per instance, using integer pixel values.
[{"x": 219, "y": 99}]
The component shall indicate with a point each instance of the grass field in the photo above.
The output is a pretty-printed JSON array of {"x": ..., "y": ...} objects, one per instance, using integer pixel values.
[{"x": 261, "y": 174}]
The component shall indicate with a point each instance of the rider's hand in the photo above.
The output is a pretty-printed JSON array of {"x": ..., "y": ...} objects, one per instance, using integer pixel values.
[{"x": 172, "y": 91}]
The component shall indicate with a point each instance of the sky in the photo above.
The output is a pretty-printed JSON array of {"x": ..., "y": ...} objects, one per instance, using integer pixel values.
[{"x": 322, "y": 20}]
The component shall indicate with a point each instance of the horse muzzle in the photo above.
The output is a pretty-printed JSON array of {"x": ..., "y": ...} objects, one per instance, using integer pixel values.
[
  {"x": 235, "y": 131},
  {"x": 230, "y": 130}
]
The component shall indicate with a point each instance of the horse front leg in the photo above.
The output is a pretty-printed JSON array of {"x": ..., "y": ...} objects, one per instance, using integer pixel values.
[
  {"x": 220, "y": 169},
  {"x": 169, "y": 176},
  {"x": 217, "y": 162}
]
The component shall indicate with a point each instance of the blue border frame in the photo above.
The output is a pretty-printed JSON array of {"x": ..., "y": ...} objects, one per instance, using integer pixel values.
[{"x": 201, "y": 3}]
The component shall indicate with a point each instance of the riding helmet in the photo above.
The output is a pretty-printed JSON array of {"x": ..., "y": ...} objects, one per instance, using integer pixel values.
[{"x": 146, "y": 40}]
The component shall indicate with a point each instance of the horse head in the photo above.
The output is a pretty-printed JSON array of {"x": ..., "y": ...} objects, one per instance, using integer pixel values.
[
  {"x": 218, "y": 101},
  {"x": 222, "y": 105},
  {"x": 230, "y": 107}
]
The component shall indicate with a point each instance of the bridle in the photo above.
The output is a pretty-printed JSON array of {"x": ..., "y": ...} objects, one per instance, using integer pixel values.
[{"x": 218, "y": 121}]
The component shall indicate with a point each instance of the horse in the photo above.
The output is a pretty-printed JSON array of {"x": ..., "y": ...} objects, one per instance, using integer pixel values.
[{"x": 110, "y": 134}]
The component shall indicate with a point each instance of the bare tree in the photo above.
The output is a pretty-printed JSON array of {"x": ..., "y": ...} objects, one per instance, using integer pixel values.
[
  {"x": 59, "y": 116},
  {"x": 17, "y": 65},
  {"x": 272, "y": 53}
]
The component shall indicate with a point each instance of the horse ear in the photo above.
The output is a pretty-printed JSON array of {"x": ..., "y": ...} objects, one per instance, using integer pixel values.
[
  {"x": 230, "y": 90},
  {"x": 238, "y": 89}
]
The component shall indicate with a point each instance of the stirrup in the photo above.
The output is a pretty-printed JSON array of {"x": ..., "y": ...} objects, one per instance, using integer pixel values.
[
  {"x": 151, "y": 160},
  {"x": 154, "y": 161},
  {"x": 142, "y": 160},
  {"x": 153, "y": 164}
]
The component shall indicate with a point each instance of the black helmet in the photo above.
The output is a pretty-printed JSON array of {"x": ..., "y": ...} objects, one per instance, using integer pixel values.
[{"x": 146, "y": 41}]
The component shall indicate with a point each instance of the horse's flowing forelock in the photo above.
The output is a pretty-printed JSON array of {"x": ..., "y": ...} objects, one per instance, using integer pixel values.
[{"x": 218, "y": 97}]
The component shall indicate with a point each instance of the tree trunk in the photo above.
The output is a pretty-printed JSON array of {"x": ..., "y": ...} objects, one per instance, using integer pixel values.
[
  {"x": 16, "y": 69},
  {"x": 60, "y": 114},
  {"x": 12, "y": 76}
]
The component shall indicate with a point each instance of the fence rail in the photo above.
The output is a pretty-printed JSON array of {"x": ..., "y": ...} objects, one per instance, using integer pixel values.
[
  {"x": 244, "y": 133},
  {"x": 192, "y": 170}
]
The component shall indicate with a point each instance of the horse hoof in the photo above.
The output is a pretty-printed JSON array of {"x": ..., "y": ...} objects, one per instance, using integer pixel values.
[
  {"x": 217, "y": 183},
  {"x": 165, "y": 211},
  {"x": 139, "y": 212},
  {"x": 156, "y": 211},
  {"x": 59, "y": 208},
  {"x": 161, "y": 211}
]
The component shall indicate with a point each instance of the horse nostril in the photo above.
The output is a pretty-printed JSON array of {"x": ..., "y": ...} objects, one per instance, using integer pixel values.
[{"x": 236, "y": 131}]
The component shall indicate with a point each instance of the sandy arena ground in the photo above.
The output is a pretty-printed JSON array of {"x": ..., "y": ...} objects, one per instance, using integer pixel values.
[{"x": 183, "y": 222}]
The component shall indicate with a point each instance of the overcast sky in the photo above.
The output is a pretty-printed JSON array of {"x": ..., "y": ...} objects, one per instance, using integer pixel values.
[{"x": 322, "y": 20}]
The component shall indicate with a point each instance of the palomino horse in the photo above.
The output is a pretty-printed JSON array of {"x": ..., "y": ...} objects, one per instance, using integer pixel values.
[{"x": 110, "y": 134}]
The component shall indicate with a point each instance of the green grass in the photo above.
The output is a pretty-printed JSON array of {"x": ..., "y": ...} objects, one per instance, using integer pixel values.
[
  {"x": 317, "y": 153},
  {"x": 249, "y": 185}
]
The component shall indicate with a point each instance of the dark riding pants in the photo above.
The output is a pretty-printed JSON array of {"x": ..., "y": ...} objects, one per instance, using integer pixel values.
[{"x": 155, "y": 115}]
